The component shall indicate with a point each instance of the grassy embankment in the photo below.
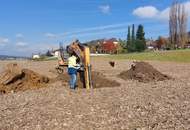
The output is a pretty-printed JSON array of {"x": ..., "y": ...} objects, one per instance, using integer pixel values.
[{"x": 174, "y": 56}]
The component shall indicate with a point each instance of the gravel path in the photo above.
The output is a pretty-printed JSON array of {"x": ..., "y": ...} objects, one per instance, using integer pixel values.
[{"x": 132, "y": 106}]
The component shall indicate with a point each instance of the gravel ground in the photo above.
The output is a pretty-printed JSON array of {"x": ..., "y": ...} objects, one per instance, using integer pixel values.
[{"x": 163, "y": 105}]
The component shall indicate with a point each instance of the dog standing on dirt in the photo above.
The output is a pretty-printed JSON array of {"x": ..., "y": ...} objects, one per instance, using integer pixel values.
[{"x": 112, "y": 63}]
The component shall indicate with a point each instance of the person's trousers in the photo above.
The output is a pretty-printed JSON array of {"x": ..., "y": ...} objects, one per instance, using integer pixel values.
[{"x": 73, "y": 80}]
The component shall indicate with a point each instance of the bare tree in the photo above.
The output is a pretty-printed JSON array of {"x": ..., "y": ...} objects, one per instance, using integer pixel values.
[
  {"x": 173, "y": 24},
  {"x": 178, "y": 25},
  {"x": 182, "y": 21}
]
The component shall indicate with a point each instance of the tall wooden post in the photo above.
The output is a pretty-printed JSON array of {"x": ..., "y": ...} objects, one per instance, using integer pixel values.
[{"x": 87, "y": 64}]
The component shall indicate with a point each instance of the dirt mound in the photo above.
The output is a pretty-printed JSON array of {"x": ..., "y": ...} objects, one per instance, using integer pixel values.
[
  {"x": 15, "y": 79},
  {"x": 98, "y": 80},
  {"x": 143, "y": 72}
]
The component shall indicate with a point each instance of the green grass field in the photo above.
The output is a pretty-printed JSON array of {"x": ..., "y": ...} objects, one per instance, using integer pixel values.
[{"x": 174, "y": 56}]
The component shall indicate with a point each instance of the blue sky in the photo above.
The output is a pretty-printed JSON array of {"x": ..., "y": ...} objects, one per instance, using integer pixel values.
[{"x": 34, "y": 26}]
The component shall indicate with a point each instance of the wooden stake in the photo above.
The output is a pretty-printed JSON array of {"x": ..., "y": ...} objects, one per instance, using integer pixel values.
[{"x": 86, "y": 67}]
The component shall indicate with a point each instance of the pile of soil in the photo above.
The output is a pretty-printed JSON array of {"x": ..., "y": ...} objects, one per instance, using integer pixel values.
[
  {"x": 14, "y": 79},
  {"x": 98, "y": 80},
  {"x": 143, "y": 72}
]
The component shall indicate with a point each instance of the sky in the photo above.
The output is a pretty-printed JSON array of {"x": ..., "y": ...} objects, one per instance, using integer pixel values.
[{"x": 33, "y": 26}]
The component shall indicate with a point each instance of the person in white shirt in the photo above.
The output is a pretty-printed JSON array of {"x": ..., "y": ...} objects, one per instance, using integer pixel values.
[{"x": 72, "y": 70}]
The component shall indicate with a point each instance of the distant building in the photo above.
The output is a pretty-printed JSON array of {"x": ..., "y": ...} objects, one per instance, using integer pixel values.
[
  {"x": 35, "y": 56},
  {"x": 55, "y": 53},
  {"x": 110, "y": 46},
  {"x": 100, "y": 46},
  {"x": 150, "y": 44}
]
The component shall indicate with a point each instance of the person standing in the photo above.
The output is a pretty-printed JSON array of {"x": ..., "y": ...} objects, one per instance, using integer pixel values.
[{"x": 72, "y": 70}]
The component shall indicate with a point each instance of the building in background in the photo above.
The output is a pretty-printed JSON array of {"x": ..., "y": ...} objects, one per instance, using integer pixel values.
[
  {"x": 104, "y": 46},
  {"x": 110, "y": 46},
  {"x": 35, "y": 56}
]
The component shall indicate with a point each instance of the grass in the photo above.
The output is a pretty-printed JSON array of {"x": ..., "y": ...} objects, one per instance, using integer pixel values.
[
  {"x": 174, "y": 56},
  {"x": 45, "y": 58}
]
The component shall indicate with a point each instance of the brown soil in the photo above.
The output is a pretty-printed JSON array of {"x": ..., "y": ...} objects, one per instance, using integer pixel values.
[
  {"x": 132, "y": 106},
  {"x": 98, "y": 80},
  {"x": 143, "y": 72},
  {"x": 15, "y": 79}
]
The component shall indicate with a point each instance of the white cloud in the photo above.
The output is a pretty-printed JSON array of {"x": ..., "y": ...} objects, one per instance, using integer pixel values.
[
  {"x": 27, "y": 49},
  {"x": 19, "y": 35},
  {"x": 153, "y": 12},
  {"x": 105, "y": 9},
  {"x": 3, "y": 41},
  {"x": 21, "y": 44},
  {"x": 146, "y": 12},
  {"x": 164, "y": 14},
  {"x": 50, "y": 35},
  {"x": 89, "y": 30}
]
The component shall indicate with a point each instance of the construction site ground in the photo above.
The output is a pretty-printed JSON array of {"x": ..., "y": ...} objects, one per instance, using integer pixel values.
[{"x": 159, "y": 105}]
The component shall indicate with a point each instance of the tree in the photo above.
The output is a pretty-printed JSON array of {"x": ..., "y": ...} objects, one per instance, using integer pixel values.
[
  {"x": 133, "y": 33},
  {"x": 140, "y": 39},
  {"x": 178, "y": 25},
  {"x": 130, "y": 43},
  {"x": 140, "y": 35},
  {"x": 182, "y": 21},
  {"x": 173, "y": 24},
  {"x": 122, "y": 46},
  {"x": 161, "y": 42},
  {"x": 48, "y": 53},
  {"x": 139, "y": 47},
  {"x": 129, "y": 37}
]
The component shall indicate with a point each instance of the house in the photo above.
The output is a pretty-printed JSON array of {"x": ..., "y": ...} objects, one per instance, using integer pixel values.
[
  {"x": 95, "y": 45},
  {"x": 150, "y": 44},
  {"x": 56, "y": 53},
  {"x": 110, "y": 46},
  {"x": 35, "y": 56},
  {"x": 100, "y": 46}
]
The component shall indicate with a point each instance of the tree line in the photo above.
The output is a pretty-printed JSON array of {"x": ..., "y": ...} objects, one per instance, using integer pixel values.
[
  {"x": 178, "y": 34},
  {"x": 178, "y": 19},
  {"x": 136, "y": 41}
]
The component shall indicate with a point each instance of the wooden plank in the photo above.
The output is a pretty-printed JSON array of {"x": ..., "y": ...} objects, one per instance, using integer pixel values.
[{"x": 87, "y": 63}]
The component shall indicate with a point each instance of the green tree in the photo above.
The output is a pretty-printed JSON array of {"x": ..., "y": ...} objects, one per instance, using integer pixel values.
[
  {"x": 130, "y": 43},
  {"x": 129, "y": 36},
  {"x": 133, "y": 33},
  {"x": 48, "y": 53},
  {"x": 123, "y": 47},
  {"x": 140, "y": 33},
  {"x": 140, "y": 39}
]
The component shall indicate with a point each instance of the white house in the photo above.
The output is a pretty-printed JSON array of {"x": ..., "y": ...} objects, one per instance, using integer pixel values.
[
  {"x": 35, "y": 56},
  {"x": 56, "y": 53}
]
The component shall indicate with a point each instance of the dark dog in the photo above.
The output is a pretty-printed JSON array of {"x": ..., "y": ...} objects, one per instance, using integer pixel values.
[{"x": 112, "y": 63}]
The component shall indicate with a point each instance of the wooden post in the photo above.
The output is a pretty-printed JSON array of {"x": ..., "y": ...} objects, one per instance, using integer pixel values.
[{"x": 87, "y": 63}]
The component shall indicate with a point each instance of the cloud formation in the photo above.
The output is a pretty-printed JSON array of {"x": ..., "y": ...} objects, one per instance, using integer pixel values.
[
  {"x": 19, "y": 35},
  {"x": 90, "y": 30},
  {"x": 50, "y": 35},
  {"x": 146, "y": 12},
  {"x": 21, "y": 44},
  {"x": 152, "y": 12},
  {"x": 4, "y": 41},
  {"x": 105, "y": 9}
]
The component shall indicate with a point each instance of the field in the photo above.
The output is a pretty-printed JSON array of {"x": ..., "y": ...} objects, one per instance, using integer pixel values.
[
  {"x": 174, "y": 56},
  {"x": 163, "y": 105}
]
